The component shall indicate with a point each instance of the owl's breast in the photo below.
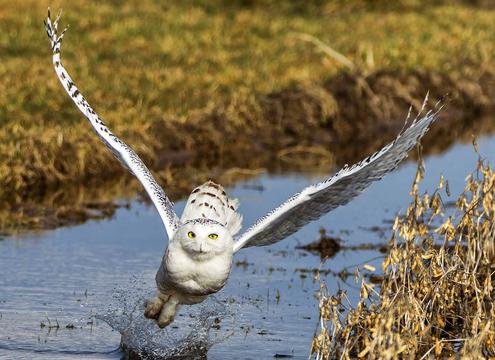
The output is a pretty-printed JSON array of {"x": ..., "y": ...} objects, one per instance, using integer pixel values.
[{"x": 179, "y": 272}]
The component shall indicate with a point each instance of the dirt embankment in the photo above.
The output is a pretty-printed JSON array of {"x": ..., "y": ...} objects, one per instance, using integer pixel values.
[
  {"x": 338, "y": 121},
  {"x": 345, "y": 118}
]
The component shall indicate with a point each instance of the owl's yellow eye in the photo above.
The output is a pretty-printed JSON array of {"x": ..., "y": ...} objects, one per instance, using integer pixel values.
[
  {"x": 191, "y": 235},
  {"x": 213, "y": 236}
]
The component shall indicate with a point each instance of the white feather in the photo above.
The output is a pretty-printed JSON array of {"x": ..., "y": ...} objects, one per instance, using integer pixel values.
[
  {"x": 121, "y": 151},
  {"x": 317, "y": 200},
  {"x": 210, "y": 201}
]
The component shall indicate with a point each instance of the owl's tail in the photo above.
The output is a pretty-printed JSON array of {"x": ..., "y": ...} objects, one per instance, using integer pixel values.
[{"x": 210, "y": 201}]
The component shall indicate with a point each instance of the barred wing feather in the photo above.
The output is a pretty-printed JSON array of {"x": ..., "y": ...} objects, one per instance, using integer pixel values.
[
  {"x": 121, "y": 151},
  {"x": 317, "y": 200}
]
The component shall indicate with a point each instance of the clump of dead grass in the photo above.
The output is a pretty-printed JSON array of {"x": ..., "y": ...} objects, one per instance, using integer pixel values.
[
  {"x": 223, "y": 84},
  {"x": 437, "y": 295}
]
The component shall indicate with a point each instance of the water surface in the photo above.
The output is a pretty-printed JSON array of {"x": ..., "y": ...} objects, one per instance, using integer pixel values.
[{"x": 70, "y": 275}]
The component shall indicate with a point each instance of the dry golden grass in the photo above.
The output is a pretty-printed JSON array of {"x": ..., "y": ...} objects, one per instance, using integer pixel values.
[
  {"x": 181, "y": 80},
  {"x": 437, "y": 297}
]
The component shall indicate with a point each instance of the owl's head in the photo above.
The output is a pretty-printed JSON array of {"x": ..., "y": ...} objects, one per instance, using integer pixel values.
[{"x": 203, "y": 238}]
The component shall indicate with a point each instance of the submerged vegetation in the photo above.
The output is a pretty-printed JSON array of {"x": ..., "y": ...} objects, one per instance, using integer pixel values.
[
  {"x": 437, "y": 295},
  {"x": 213, "y": 84}
]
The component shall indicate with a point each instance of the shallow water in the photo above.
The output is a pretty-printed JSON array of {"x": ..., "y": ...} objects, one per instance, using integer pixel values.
[{"x": 75, "y": 276}]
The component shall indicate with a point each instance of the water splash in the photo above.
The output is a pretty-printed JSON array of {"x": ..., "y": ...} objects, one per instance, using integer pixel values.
[{"x": 187, "y": 337}]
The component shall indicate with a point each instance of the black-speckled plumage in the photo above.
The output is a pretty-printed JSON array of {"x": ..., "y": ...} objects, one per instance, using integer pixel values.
[
  {"x": 121, "y": 151},
  {"x": 210, "y": 201}
]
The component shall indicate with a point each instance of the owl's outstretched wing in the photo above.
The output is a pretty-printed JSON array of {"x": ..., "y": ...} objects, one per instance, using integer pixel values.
[
  {"x": 121, "y": 151},
  {"x": 317, "y": 200}
]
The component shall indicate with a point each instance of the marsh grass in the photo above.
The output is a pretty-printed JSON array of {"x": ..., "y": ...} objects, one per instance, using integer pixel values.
[
  {"x": 221, "y": 84},
  {"x": 437, "y": 295}
]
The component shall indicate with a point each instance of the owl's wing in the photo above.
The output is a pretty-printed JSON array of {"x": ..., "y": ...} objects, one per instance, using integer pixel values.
[
  {"x": 121, "y": 151},
  {"x": 317, "y": 200}
]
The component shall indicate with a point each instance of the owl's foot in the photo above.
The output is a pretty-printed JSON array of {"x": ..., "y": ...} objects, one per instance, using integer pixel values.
[
  {"x": 168, "y": 312},
  {"x": 153, "y": 307}
]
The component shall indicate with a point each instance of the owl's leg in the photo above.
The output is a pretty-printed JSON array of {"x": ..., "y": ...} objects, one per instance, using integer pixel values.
[
  {"x": 168, "y": 312},
  {"x": 153, "y": 307}
]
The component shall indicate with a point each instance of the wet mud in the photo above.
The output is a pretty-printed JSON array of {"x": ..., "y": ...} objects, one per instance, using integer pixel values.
[{"x": 327, "y": 246}]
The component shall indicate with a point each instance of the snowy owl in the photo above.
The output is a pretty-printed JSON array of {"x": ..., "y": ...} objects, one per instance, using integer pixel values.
[{"x": 202, "y": 243}]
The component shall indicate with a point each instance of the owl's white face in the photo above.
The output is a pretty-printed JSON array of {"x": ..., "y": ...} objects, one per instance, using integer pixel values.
[{"x": 203, "y": 239}]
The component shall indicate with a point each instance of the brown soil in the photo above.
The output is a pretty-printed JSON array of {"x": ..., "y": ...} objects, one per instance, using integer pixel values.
[{"x": 309, "y": 125}]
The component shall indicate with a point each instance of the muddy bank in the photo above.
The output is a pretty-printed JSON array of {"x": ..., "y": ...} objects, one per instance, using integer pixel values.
[{"x": 306, "y": 126}]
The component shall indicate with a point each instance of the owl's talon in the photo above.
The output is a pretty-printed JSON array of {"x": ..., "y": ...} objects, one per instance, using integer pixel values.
[
  {"x": 165, "y": 318},
  {"x": 162, "y": 323},
  {"x": 152, "y": 308},
  {"x": 168, "y": 312}
]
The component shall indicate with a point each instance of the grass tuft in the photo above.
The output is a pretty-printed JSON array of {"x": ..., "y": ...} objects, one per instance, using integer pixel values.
[{"x": 437, "y": 296}]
